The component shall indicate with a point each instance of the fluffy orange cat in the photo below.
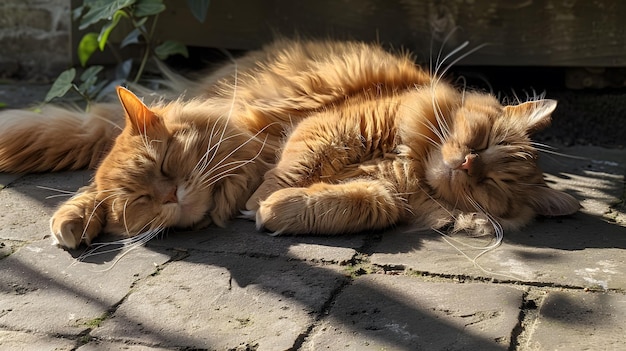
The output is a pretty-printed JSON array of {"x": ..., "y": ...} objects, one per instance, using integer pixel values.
[{"x": 307, "y": 138}]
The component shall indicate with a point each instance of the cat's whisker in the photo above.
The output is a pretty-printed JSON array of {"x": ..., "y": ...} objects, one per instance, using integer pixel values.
[
  {"x": 546, "y": 146},
  {"x": 208, "y": 182},
  {"x": 430, "y": 126},
  {"x": 441, "y": 120},
  {"x": 205, "y": 161},
  {"x": 439, "y": 62},
  {"x": 126, "y": 245},
  {"x": 250, "y": 139},
  {"x": 461, "y": 57},
  {"x": 439, "y": 132},
  {"x": 124, "y": 208},
  {"x": 439, "y": 74},
  {"x": 93, "y": 213},
  {"x": 58, "y": 195},
  {"x": 213, "y": 147},
  {"x": 551, "y": 152},
  {"x": 229, "y": 115},
  {"x": 213, "y": 178},
  {"x": 432, "y": 198},
  {"x": 464, "y": 84},
  {"x": 63, "y": 192}
]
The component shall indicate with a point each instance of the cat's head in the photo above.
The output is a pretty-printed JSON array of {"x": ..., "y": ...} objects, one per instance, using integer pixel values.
[
  {"x": 174, "y": 165},
  {"x": 487, "y": 162}
]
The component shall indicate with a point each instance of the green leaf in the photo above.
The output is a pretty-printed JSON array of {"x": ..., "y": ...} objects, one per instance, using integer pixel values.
[
  {"x": 145, "y": 8},
  {"x": 77, "y": 12},
  {"x": 87, "y": 46},
  {"x": 131, "y": 38},
  {"x": 106, "y": 29},
  {"x": 199, "y": 8},
  {"x": 61, "y": 85},
  {"x": 83, "y": 88},
  {"x": 3, "y": 105},
  {"x": 90, "y": 72},
  {"x": 169, "y": 48},
  {"x": 102, "y": 10}
]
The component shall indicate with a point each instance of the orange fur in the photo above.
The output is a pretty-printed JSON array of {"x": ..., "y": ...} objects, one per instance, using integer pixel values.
[{"x": 349, "y": 137}]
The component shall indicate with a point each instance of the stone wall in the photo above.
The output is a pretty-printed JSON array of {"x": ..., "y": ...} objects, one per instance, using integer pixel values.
[{"x": 34, "y": 38}]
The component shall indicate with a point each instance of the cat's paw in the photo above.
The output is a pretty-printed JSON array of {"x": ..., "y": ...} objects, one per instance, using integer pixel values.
[
  {"x": 261, "y": 193},
  {"x": 71, "y": 227},
  {"x": 283, "y": 212},
  {"x": 475, "y": 224}
]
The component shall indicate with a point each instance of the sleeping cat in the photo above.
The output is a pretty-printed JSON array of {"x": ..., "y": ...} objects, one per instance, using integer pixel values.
[{"x": 306, "y": 137}]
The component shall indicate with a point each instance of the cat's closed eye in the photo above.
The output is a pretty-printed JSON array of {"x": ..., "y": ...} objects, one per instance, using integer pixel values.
[{"x": 141, "y": 199}]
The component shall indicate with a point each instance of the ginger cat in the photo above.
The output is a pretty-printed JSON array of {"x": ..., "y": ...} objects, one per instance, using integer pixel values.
[{"x": 308, "y": 137}]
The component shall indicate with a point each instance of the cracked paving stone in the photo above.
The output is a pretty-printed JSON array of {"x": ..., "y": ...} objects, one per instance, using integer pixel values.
[
  {"x": 45, "y": 290},
  {"x": 15, "y": 340},
  {"x": 397, "y": 312},
  {"x": 223, "y": 301},
  {"x": 577, "y": 320}
]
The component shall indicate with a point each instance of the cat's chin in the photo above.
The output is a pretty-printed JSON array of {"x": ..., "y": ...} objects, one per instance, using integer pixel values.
[{"x": 188, "y": 214}]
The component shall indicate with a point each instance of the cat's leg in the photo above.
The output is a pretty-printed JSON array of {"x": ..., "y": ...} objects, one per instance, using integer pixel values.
[
  {"x": 78, "y": 220},
  {"x": 318, "y": 150},
  {"x": 324, "y": 208}
]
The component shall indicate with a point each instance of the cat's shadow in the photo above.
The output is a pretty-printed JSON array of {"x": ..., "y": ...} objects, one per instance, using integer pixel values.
[{"x": 576, "y": 232}]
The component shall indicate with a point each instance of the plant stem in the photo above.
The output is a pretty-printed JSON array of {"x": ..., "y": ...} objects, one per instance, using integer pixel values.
[
  {"x": 85, "y": 97},
  {"x": 142, "y": 66},
  {"x": 148, "y": 50}
]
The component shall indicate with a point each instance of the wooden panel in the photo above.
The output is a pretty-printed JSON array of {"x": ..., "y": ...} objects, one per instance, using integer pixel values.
[
  {"x": 589, "y": 33},
  {"x": 518, "y": 32}
]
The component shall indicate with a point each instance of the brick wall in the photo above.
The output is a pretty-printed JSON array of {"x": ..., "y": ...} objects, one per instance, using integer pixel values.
[{"x": 34, "y": 38}]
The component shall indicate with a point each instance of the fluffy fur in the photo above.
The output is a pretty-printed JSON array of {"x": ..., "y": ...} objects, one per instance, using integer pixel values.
[{"x": 349, "y": 138}]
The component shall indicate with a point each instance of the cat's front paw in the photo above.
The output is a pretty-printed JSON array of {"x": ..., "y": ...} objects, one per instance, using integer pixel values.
[
  {"x": 283, "y": 212},
  {"x": 475, "y": 224},
  {"x": 71, "y": 226},
  {"x": 266, "y": 188}
]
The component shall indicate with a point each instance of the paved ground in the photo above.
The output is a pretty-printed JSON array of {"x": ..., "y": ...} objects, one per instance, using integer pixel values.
[{"x": 558, "y": 284}]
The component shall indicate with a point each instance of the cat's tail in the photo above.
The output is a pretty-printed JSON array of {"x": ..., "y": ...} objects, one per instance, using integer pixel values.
[{"x": 55, "y": 138}]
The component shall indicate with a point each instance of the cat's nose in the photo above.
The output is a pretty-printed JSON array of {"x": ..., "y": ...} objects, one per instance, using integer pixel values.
[
  {"x": 170, "y": 197},
  {"x": 467, "y": 164}
]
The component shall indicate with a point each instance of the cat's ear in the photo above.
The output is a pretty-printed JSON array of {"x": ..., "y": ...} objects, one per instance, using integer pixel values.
[
  {"x": 536, "y": 114},
  {"x": 139, "y": 117},
  {"x": 549, "y": 202}
]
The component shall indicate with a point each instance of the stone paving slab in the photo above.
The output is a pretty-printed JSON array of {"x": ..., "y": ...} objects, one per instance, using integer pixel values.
[
  {"x": 387, "y": 312},
  {"x": 8, "y": 178},
  {"x": 13, "y": 340},
  {"x": 223, "y": 301},
  {"x": 241, "y": 237},
  {"x": 579, "y": 321},
  {"x": 99, "y": 345},
  {"x": 28, "y": 202},
  {"x": 44, "y": 290}
]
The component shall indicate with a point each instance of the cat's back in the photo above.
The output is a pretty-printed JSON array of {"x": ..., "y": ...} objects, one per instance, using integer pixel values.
[{"x": 288, "y": 80}]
